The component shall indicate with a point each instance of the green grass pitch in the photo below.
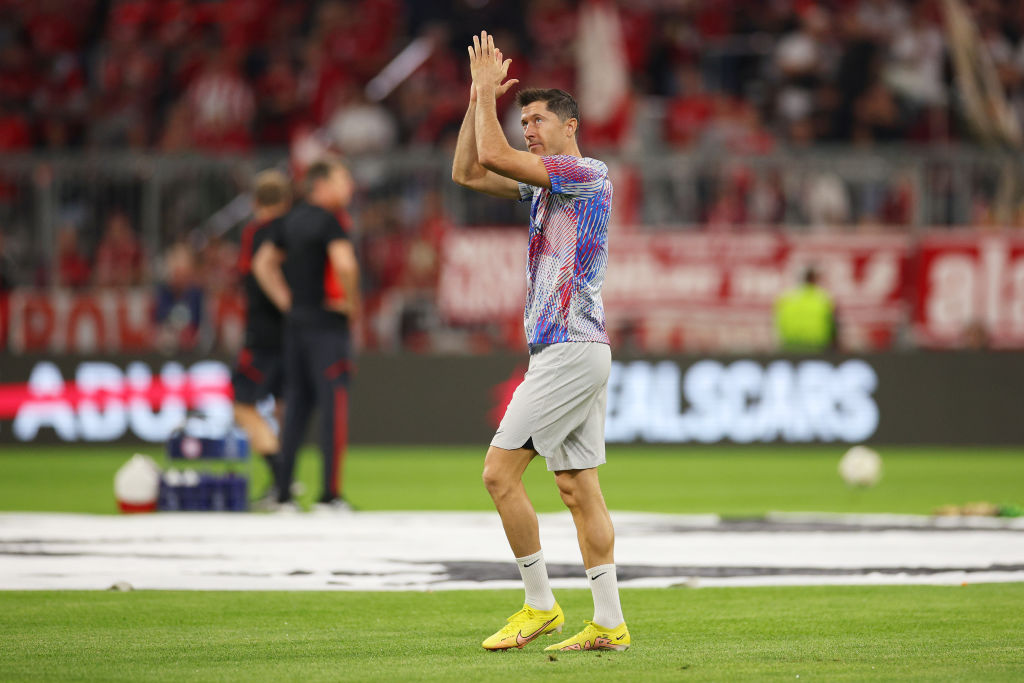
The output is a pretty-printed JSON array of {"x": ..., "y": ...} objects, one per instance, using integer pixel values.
[
  {"x": 795, "y": 634},
  {"x": 971, "y": 632},
  {"x": 727, "y": 481}
]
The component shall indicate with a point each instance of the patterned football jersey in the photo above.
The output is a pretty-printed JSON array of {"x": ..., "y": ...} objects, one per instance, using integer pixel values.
[{"x": 568, "y": 252}]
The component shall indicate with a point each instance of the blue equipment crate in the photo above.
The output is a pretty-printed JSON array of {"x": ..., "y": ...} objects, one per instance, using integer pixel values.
[
  {"x": 198, "y": 490},
  {"x": 183, "y": 446},
  {"x": 210, "y": 493}
]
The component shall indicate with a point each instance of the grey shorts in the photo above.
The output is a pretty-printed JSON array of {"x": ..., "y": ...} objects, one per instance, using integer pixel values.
[{"x": 561, "y": 405}]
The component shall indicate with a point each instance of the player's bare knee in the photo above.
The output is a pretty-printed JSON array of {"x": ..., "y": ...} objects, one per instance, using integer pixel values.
[
  {"x": 568, "y": 490},
  {"x": 496, "y": 478},
  {"x": 490, "y": 478},
  {"x": 498, "y": 483}
]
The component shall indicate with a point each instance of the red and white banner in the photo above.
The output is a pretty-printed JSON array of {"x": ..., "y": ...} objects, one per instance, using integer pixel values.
[
  {"x": 696, "y": 291},
  {"x": 970, "y": 290},
  {"x": 108, "y": 400},
  {"x": 64, "y": 321},
  {"x": 664, "y": 292}
]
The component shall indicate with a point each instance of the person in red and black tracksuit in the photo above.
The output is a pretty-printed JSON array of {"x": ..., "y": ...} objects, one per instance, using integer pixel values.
[
  {"x": 308, "y": 269},
  {"x": 259, "y": 371}
]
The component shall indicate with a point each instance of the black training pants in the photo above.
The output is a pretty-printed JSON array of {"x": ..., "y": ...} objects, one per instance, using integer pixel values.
[{"x": 316, "y": 373}]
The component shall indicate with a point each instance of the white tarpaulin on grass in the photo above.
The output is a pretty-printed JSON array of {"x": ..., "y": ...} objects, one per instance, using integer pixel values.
[{"x": 452, "y": 550}]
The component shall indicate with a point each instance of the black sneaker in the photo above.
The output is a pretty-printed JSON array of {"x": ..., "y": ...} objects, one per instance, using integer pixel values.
[{"x": 334, "y": 506}]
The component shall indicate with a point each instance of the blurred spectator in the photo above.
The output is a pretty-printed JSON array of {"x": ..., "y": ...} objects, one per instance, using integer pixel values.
[
  {"x": 278, "y": 100},
  {"x": 826, "y": 201},
  {"x": 876, "y": 116},
  {"x": 177, "y": 134},
  {"x": 218, "y": 265},
  {"x": 691, "y": 110},
  {"x": 118, "y": 256},
  {"x": 359, "y": 126},
  {"x": 60, "y": 100},
  {"x": 17, "y": 78},
  {"x": 899, "y": 203},
  {"x": 915, "y": 58},
  {"x": 73, "y": 269},
  {"x": 15, "y": 134},
  {"x": 804, "y": 58},
  {"x": 729, "y": 208},
  {"x": 55, "y": 26},
  {"x": 736, "y": 127},
  {"x": 879, "y": 20},
  {"x": 221, "y": 105},
  {"x": 127, "y": 76},
  {"x": 767, "y": 200},
  {"x": 179, "y": 301}
]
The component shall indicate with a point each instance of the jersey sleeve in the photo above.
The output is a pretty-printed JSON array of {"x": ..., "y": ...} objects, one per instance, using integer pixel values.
[
  {"x": 570, "y": 175},
  {"x": 526, "y": 192},
  {"x": 275, "y": 234},
  {"x": 332, "y": 229}
]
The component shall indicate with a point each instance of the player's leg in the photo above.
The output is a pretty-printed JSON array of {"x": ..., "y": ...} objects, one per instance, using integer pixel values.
[
  {"x": 503, "y": 477},
  {"x": 581, "y": 493},
  {"x": 332, "y": 370},
  {"x": 262, "y": 438},
  {"x": 257, "y": 374},
  {"x": 575, "y": 467},
  {"x": 299, "y": 396}
]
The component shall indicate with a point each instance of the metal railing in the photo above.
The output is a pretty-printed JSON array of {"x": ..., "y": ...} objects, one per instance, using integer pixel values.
[{"x": 167, "y": 198}]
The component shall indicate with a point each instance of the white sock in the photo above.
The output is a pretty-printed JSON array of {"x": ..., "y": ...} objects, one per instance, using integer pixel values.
[
  {"x": 535, "y": 579},
  {"x": 605, "y": 587}
]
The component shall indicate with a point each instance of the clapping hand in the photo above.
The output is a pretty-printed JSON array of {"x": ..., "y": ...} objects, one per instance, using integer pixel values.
[{"x": 488, "y": 68}]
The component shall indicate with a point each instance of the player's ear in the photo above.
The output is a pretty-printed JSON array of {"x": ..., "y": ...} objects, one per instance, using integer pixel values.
[{"x": 571, "y": 125}]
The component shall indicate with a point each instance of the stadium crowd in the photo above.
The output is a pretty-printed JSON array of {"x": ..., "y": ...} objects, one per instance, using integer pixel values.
[{"x": 233, "y": 77}]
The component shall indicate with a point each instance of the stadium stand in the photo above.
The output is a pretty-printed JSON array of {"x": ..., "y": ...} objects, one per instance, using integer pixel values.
[{"x": 129, "y": 128}]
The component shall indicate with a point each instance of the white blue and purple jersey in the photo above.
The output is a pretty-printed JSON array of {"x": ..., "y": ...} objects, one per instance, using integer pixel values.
[{"x": 568, "y": 252}]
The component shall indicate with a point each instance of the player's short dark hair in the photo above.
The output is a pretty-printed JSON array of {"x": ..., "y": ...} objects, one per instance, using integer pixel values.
[
  {"x": 271, "y": 188},
  {"x": 320, "y": 169},
  {"x": 558, "y": 101}
]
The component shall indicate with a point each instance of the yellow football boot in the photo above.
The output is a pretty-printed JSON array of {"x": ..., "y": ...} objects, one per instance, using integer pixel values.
[
  {"x": 526, "y": 625},
  {"x": 595, "y": 637}
]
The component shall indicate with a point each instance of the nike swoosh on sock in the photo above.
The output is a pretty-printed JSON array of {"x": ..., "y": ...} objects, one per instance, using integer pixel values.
[{"x": 595, "y": 578}]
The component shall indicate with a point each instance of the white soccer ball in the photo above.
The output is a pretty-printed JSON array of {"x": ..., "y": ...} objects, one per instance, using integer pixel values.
[{"x": 860, "y": 466}]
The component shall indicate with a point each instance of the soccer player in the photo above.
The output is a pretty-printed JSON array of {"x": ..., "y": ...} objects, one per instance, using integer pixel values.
[
  {"x": 558, "y": 411},
  {"x": 259, "y": 371},
  {"x": 308, "y": 269}
]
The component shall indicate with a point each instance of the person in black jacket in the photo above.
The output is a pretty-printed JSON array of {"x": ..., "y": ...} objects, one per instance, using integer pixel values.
[{"x": 308, "y": 269}]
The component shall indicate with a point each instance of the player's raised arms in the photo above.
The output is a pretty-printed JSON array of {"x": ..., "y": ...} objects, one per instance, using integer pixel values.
[{"x": 466, "y": 167}]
